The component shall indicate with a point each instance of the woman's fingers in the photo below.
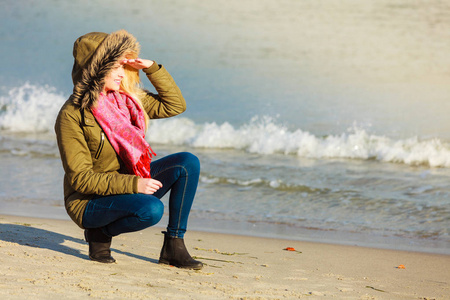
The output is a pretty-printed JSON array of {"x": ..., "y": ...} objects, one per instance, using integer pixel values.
[
  {"x": 148, "y": 185},
  {"x": 138, "y": 63},
  {"x": 154, "y": 185},
  {"x": 157, "y": 182}
]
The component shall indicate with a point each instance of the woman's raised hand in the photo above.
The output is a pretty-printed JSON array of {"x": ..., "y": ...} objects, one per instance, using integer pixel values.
[
  {"x": 138, "y": 63},
  {"x": 148, "y": 185}
]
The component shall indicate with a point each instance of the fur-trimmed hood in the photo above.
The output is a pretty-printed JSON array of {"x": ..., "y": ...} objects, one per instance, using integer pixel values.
[{"x": 95, "y": 55}]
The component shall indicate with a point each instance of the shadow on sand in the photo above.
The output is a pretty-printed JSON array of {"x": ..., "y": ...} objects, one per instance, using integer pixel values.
[{"x": 29, "y": 236}]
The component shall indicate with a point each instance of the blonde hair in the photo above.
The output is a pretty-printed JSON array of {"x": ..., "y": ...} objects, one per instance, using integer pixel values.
[{"x": 131, "y": 83}]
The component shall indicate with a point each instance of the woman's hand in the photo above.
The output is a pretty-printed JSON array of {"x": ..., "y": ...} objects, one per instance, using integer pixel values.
[
  {"x": 148, "y": 186},
  {"x": 138, "y": 63}
]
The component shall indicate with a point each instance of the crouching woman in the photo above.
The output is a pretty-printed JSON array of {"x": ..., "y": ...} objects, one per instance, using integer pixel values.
[{"x": 111, "y": 184}]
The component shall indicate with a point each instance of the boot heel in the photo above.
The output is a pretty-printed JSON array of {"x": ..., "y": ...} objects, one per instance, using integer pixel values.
[{"x": 163, "y": 261}]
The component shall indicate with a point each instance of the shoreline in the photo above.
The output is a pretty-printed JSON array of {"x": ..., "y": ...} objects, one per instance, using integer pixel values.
[
  {"x": 264, "y": 230},
  {"x": 236, "y": 267}
]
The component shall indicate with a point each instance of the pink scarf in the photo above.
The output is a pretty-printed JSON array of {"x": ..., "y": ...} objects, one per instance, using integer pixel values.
[{"x": 123, "y": 121}]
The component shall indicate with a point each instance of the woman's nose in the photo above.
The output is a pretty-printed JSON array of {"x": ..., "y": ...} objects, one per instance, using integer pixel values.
[{"x": 121, "y": 73}]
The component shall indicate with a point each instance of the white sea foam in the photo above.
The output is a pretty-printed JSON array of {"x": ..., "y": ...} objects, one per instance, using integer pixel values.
[
  {"x": 265, "y": 136},
  {"x": 30, "y": 108}
]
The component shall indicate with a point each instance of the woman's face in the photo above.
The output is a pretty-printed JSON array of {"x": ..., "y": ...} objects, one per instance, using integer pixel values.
[{"x": 114, "y": 78}]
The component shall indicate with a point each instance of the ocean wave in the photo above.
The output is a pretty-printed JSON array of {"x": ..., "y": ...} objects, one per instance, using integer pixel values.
[
  {"x": 30, "y": 108},
  {"x": 263, "y": 135},
  {"x": 258, "y": 182}
]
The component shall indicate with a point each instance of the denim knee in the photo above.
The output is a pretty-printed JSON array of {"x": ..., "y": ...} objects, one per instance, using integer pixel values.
[
  {"x": 190, "y": 162},
  {"x": 151, "y": 213}
]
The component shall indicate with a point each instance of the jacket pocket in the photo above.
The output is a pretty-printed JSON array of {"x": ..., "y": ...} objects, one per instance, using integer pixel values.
[{"x": 100, "y": 146}]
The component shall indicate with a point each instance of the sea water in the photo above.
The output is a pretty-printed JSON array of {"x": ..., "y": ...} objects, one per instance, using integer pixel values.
[{"x": 313, "y": 120}]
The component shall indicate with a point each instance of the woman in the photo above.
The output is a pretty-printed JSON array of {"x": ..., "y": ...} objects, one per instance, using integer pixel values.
[{"x": 110, "y": 184}]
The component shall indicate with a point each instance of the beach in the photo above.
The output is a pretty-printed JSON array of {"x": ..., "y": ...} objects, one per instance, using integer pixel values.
[
  {"x": 48, "y": 259},
  {"x": 320, "y": 125},
  {"x": 323, "y": 121}
]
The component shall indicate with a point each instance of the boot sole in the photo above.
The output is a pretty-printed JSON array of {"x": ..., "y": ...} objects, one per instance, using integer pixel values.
[
  {"x": 106, "y": 260},
  {"x": 164, "y": 262}
]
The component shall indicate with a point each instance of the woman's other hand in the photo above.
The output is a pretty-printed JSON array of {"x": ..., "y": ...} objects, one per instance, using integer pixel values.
[
  {"x": 148, "y": 186},
  {"x": 138, "y": 63}
]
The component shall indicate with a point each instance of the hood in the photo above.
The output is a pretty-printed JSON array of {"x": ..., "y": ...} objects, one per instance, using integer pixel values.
[{"x": 95, "y": 55}]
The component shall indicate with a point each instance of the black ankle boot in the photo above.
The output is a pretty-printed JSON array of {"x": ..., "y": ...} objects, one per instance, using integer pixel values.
[
  {"x": 99, "y": 245},
  {"x": 174, "y": 253}
]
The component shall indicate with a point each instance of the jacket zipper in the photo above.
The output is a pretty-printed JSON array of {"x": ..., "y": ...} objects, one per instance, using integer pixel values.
[{"x": 100, "y": 147}]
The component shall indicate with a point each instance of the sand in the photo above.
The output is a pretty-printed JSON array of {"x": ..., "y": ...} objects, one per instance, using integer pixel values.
[{"x": 47, "y": 259}]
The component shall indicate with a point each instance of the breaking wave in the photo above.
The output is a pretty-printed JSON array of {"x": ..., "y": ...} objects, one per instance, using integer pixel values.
[
  {"x": 31, "y": 108},
  {"x": 264, "y": 136}
]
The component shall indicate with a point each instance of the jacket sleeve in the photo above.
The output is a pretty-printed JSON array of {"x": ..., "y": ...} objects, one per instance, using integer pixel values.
[
  {"x": 77, "y": 161},
  {"x": 168, "y": 101}
]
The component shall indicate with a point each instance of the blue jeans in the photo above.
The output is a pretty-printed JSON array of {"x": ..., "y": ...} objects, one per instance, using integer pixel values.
[{"x": 117, "y": 214}]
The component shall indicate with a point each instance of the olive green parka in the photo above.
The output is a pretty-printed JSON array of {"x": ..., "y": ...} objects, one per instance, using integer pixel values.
[{"x": 90, "y": 163}]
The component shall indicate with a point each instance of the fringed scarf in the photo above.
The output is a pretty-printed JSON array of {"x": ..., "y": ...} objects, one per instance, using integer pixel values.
[{"x": 123, "y": 121}]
